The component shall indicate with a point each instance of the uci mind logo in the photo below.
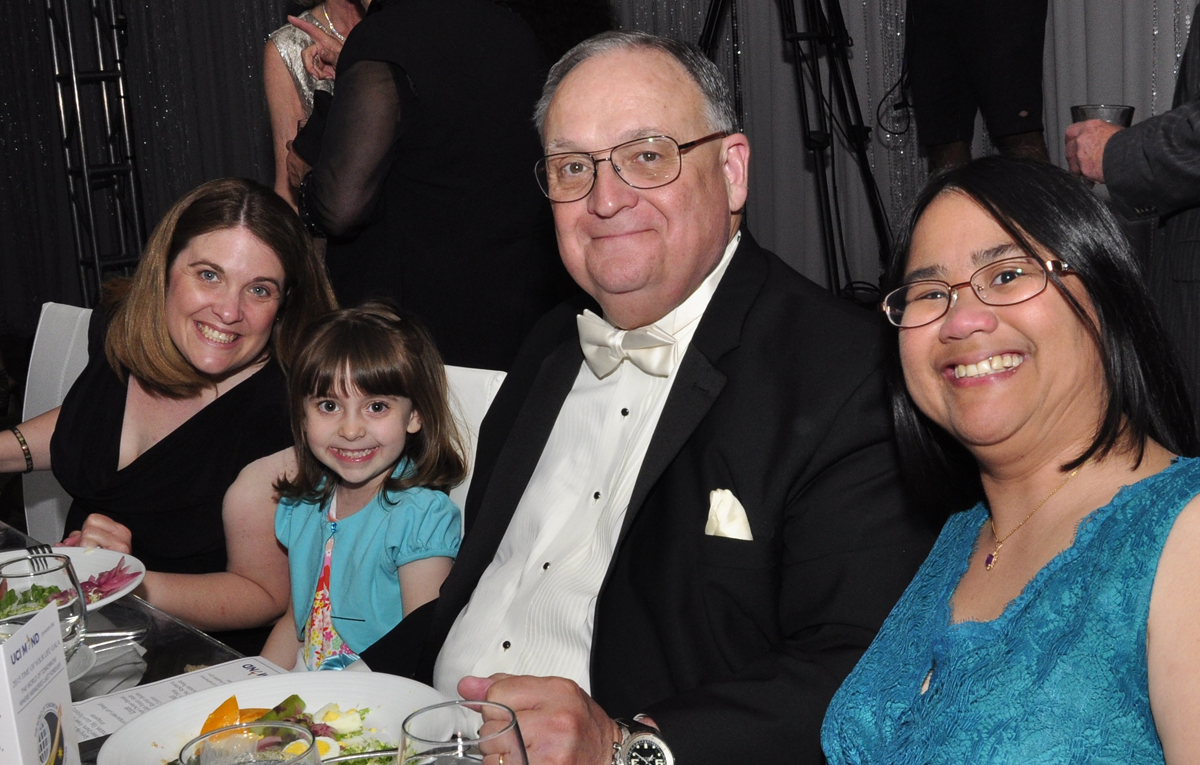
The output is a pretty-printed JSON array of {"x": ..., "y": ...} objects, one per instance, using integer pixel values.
[{"x": 22, "y": 650}]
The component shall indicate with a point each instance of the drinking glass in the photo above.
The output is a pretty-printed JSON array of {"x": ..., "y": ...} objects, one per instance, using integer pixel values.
[
  {"x": 248, "y": 743},
  {"x": 27, "y": 585},
  {"x": 1117, "y": 114},
  {"x": 450, "y": 734}
]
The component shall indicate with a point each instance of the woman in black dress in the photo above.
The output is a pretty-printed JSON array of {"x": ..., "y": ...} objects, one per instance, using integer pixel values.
[
  {"x": 170, "y": 439},
  {"x": 422, "y": 175}
]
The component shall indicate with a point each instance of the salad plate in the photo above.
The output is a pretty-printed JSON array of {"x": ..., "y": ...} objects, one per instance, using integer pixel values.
[
  {"x": 156, "y": 737},
  {"x": 90, "y": 562}
]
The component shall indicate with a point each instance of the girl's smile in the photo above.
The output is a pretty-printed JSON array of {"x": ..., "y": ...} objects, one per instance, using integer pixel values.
[{"x": 360, "y": 437}]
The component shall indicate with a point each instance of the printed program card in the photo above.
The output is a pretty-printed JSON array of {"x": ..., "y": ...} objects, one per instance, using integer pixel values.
[
  {"x": 36, "y": 726},
  {"x": 102, "y": 715}
]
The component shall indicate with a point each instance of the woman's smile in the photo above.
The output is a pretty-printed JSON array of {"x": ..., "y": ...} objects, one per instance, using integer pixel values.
[
  {"x": 992, "y": 365},
  {"x": 987, "y": 373},
  {"x": 212, "y": 334}
]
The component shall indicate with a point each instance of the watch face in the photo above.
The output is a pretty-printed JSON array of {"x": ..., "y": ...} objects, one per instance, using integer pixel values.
[{"x": 646, "y": 751}]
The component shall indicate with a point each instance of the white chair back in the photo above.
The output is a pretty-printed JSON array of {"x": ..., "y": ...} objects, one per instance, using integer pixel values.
[
  {"x": 59, "y": 355},
  {"x": 471, "y": 393}
]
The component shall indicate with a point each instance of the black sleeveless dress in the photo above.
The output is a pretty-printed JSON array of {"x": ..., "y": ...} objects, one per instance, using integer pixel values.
[{"x": 171, "y": 496}]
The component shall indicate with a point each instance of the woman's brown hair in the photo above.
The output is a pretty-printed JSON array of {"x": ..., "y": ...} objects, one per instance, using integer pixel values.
[
  {"x": 379, "y": 351},
  {"x": 138, "y": 343}
]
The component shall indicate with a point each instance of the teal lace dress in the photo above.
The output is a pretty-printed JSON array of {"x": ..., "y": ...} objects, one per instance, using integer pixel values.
[{"x": 1059, "y": 677}]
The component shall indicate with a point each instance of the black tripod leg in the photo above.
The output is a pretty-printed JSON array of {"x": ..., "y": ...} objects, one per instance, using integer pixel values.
[
  {"x": 813, "y": 124},
  {"x": 846, "y": 101}
]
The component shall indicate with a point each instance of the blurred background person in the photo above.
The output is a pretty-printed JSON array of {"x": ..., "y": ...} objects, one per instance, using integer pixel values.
[
  {"x": 1152, "y": 171},
  {"x": 422, "y": 176},
  {"x": 976, "y": 56},
  {"x": 289, "y": 86}
]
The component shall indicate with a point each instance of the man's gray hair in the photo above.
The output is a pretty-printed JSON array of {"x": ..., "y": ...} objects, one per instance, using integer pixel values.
[{"x": 718, "y": 108}]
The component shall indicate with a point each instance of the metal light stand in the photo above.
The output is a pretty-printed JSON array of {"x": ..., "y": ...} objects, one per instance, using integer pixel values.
[
  {"x": 106, "y": 201},
  {"x": 823, "y": 49}
]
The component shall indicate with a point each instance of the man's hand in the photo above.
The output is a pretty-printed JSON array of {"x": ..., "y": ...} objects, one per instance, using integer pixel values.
[
  {"x": 1085, "y": 148},
  {"x": 297, "y": 168},
  {"x": 560, "y": 723},
  {"x": 320, "y": 59},
  {"x": 101, "y": 531}
]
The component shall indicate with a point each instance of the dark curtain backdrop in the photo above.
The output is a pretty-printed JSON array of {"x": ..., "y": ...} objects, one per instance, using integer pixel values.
[{"x": 198, "y": 112}]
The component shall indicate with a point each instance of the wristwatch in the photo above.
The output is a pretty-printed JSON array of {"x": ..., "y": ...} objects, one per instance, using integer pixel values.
[{"x": 640, "y": 745}]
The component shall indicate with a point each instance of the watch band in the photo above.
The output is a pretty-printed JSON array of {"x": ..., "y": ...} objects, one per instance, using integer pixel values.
[
  {"x": 632, "y": 732},
  {"x": 629, "y": 727}
]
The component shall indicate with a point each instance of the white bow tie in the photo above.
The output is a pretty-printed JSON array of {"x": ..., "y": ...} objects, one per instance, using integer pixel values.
[{"x": 650, "y": 349}]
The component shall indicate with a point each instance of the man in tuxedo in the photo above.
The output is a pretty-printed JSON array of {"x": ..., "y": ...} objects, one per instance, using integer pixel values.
[
  {"x": 685, "y": 504},
  {"x": 1152, "y": 171}
]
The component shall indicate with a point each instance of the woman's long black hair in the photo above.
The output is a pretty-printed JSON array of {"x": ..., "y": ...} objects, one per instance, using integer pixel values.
[{"x": 1046, "y": 210}]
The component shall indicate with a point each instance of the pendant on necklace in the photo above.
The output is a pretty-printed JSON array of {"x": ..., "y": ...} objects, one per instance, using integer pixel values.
[{"x": 990, "y": 561}]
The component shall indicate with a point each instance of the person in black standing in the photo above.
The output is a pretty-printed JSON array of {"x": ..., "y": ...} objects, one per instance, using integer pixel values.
[
  {"x": 1152, "y": 171},
  {"x": 968, "y": 56},
  {"x": 423, "y": 178}
]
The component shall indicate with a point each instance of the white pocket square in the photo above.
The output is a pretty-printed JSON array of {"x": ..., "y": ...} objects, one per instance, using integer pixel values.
[{"x": 726, "y": 516}]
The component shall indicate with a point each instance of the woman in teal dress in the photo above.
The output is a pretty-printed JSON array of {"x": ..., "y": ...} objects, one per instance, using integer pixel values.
[{"x": 1056, "y": 621}]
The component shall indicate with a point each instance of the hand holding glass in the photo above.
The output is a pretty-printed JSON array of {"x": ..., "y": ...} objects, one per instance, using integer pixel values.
[{"x": 462, "y": 733}]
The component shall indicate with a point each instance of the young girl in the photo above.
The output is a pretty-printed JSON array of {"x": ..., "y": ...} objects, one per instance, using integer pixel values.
[{"x": 369, "y": 529}]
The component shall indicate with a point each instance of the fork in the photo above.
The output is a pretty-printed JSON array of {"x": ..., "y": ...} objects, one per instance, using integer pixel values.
[{"x": 39, "y": 564}]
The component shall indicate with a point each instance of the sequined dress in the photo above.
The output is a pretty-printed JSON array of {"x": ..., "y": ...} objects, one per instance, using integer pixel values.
[
  {"x": 1059, "y": 677},
  {"x": 290, "y": 42}
]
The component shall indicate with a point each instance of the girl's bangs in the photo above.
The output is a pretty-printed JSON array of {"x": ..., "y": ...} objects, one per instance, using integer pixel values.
[{"x": 352, "y": 367}]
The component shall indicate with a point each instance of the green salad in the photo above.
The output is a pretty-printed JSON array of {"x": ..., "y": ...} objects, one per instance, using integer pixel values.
[
  {"x": 337, "y": 731},
  {"x": 35, "y": 598}
]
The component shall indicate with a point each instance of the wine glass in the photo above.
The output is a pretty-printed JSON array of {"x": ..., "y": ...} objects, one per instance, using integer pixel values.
[
  {"x": 254, "y": 742},
  {"x": 451, "y": 734},
  {"x": 27, "y": 585}
]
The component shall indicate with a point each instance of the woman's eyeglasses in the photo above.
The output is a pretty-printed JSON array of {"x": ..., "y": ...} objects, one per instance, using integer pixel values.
[{"x": 1004, "y": 282}]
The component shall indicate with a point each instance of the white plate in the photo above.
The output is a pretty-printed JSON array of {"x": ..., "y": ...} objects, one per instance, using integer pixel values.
[
  {"x": 89, "y": 561},
  {"x": 157, "y": 736}
]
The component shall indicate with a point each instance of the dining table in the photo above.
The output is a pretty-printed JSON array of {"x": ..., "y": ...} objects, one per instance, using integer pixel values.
[{"x": 135, "y": 644}]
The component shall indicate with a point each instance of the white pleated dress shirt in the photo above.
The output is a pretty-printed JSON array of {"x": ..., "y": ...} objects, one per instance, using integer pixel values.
[{"x": 533, "y": 610}]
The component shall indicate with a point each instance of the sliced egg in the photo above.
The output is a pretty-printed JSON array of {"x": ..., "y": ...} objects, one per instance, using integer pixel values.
[
  {"x": 327, "y": 747},
  {"x": 344, "y": 723},
  {"x": 319, "y": 715},
  {"x": 295, "y": 749},
  {"x": 349, "y": 722}
]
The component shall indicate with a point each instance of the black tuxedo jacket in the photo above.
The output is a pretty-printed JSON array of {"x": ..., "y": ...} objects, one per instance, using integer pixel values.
[
  {"x": 1153, "y": 170},
  {"x": 733, "y": 647}
]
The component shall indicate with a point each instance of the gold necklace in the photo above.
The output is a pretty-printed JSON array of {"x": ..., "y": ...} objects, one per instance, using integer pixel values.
[
  {"x": 990, "y": 560},
  {"x": 329, "y": 21}
]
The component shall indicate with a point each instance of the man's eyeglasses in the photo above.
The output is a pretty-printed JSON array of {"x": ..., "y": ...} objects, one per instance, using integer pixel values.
[
  {"x": 1004, "y": 282},
  {"x": 643, "y": 163}
]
